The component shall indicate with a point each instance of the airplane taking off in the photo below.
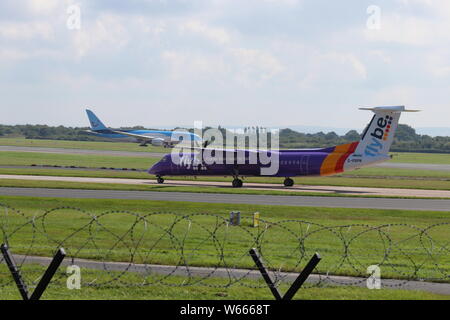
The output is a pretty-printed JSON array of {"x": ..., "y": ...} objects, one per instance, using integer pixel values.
[
  {"x": 154, "y": 137},
  {"x": 372, "y": 148}
]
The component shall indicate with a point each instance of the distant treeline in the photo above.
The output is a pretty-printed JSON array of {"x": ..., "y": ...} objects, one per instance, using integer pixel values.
[
  {"x": 406, "y": 138},
  {"x": 54, "y": 133}
]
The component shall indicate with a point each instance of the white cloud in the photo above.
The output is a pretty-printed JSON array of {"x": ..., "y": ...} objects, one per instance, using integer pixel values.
[
  {"x": 411, "y": 29},
  {"x": 26, "y": 31},
  {"x": 106, "y": 34},
  {"x": 438, "y": 64},
  {"x": 248, "y": 67},
  {"x": 325, "y": 68},
  {"x": 40, "y": 7},
  {"x": 255, "y": 54},
  {"x": 397, "y": 95},
  {"x": 439, "y": 7},
  {"x": 11, "y": 55},
  {"x": 188, "y": 65},
  {"x": 255, "y": 65},
  {"x": 218, "y": 35}
]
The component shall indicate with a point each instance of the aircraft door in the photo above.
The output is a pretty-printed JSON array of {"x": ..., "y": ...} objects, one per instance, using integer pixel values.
[{"x": 304, "y": 165}]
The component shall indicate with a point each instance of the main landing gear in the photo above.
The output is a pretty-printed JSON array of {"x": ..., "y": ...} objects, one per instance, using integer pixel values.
[
  {"x": 288, "y": 182},
  {"x": 159, "y": 179},
  {"x": 237, "y": 183}
]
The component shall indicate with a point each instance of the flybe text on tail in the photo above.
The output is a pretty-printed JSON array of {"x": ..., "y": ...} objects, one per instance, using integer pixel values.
[{"x": 380, "y": 133}]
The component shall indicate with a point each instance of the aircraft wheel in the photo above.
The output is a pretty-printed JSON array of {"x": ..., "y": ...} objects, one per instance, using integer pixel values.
[
  {"x": 288, "y": 182},
  {"x": 237, "y": 183},
  {"x": 159, "y": 180}
]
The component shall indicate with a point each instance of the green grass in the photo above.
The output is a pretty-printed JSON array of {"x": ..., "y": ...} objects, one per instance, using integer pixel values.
[
  {"x": 399, "y": 173},
  {"x": 126, "y": 174},
  {"x": 92, "y": 161},
  {"x": 215, "y": 290},
  {"x": 431, "y": 158},
  {"x": 279, "y": 239},
  {"x": 87, "y": 145}
]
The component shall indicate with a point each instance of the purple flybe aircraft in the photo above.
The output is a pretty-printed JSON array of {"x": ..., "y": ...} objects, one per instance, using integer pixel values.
[{"x": 372, "y": 148}]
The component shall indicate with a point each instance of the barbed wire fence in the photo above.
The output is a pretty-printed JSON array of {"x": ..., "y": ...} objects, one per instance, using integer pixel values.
[{"x": 129, "y": 249}]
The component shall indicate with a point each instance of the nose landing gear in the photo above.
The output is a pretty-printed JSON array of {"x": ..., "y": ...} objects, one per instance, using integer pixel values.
[
  {"x": 288, "y": 182},
  {"x": 159, "y": 179}
]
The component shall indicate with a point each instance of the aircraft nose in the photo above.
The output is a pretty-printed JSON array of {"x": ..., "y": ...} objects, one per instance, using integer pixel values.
[{"x": 154, "y": 169}]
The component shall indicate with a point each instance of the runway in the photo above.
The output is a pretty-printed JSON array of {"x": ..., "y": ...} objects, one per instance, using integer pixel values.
[
  {"x": 335, "y": 190},
  {"x": 301, "y": 201}
]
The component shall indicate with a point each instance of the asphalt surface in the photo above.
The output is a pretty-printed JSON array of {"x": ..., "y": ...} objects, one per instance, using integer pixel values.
[
  {"x": 301, "y": 201},
  {"x": 329, "y": 190},
  {"x": 204, "y": 272}
]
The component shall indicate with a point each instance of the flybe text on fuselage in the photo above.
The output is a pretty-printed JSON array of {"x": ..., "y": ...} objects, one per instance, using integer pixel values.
[{"x": 379, "y": 134}]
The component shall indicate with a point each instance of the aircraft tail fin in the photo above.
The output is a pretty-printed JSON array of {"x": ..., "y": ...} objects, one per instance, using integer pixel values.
[
  {"x": 378, "y": 136},
  {"x": 372, "y": 148},
  {"x": 95, "y": 122}
]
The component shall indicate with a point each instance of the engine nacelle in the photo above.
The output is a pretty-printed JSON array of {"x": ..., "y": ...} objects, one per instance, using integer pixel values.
[{"x": 158, "y": 142}]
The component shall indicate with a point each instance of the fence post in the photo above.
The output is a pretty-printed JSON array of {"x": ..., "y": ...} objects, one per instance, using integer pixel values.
[
  {"x": 302, "y": 277},
  {"x": 257, "y": 259},
  {"x": 14, "y": 271},
  {"x": 48, "y": 275},
  {"x": 296, "y": 285},
  {"x": 45, "y": 280}
]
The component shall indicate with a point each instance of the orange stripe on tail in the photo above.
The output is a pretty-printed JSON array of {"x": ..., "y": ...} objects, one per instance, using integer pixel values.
[
  {"x": 340, "y": 164},
  {"x": 334, "y": 162}
]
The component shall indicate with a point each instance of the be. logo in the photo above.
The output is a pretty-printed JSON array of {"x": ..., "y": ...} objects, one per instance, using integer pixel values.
[{"x": 380, "y": 134}]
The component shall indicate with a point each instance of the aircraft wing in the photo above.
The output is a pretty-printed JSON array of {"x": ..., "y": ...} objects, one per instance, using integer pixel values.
[
  {"x": 225, "y": 151},
  {"x": 134, "y": 135}
]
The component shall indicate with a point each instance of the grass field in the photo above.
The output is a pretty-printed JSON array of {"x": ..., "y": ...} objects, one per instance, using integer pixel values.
[
  {"x": 80, "y": 160},
  {"x": 248, "y": 290},
  {"x": 88, "y": 145},
  {"x": 126, "y": 146},
  {"x": 431, "y": 158},
  {"x": 398, "y": 173},
  {"x": 204, "y": 239}
]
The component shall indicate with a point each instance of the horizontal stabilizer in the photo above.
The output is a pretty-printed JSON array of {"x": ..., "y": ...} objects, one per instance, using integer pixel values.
[{"x": 394, "y": 109}]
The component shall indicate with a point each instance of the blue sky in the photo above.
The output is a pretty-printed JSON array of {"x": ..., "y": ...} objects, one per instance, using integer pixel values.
[{"x": 280, "y": 63}]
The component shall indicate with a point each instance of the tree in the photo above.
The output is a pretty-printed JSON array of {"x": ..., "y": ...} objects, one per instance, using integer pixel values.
[
  {"x": 352, "y": 135},
  {"x": 406, "y": 133}
]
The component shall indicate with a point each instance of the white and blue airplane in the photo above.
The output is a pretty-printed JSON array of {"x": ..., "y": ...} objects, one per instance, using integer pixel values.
[{"x": 165, "y": 138}]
